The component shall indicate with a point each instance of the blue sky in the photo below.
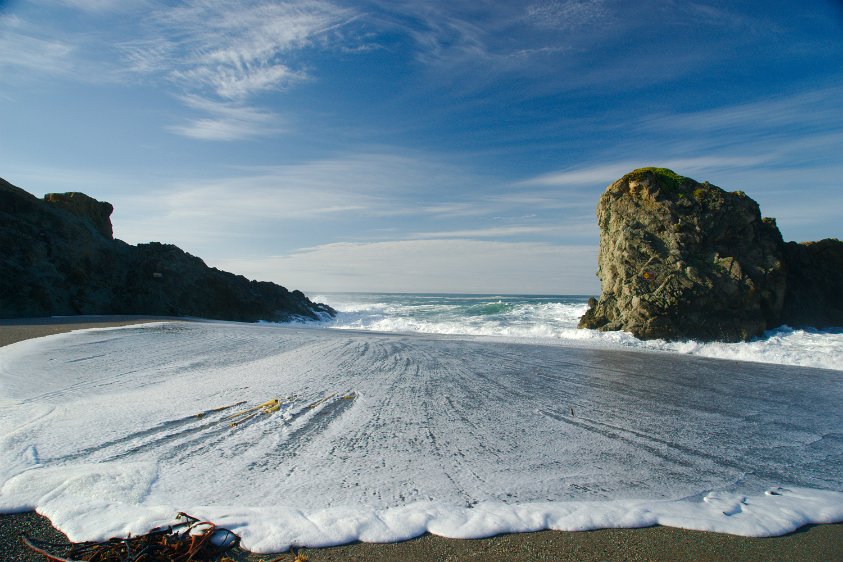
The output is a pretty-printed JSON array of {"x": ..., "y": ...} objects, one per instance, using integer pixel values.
[{"x": 455, "y": 146}]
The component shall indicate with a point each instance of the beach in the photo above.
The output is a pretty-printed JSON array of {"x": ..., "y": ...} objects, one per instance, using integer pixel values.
[{"x": 823, "y": 542}]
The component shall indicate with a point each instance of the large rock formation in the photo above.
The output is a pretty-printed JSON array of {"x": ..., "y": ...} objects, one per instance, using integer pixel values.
[
  {"x": 686, "y": 260},
  {"x": 59, "y": 258},
  {"x": 98, "y": 213},
  {"x": 814, "y": 295}
]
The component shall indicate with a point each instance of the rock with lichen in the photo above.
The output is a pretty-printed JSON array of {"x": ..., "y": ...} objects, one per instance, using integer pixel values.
[{"x": 685, "y": 260}]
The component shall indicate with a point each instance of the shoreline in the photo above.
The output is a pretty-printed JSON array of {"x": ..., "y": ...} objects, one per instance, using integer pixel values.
[{"x": 813, "y": 542}]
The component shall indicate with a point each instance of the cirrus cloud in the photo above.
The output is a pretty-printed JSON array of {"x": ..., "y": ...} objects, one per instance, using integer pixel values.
[{"x": 449, "y": 265}]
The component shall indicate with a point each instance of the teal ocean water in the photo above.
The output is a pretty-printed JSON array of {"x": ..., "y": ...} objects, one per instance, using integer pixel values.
[
  {"x": 532, "y": 316},
  {"x": 552, "y": 320}
]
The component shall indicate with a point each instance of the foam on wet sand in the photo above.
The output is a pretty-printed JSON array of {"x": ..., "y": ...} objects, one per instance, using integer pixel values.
[{"x": 412, "y": 434}]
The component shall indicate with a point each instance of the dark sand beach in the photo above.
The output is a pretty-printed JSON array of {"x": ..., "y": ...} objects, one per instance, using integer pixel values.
[{"x": 816, "y": 542}]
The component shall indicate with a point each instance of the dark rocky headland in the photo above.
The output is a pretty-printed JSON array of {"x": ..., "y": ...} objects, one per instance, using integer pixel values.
[
  {"x": 59, "y": 257},
  {"x": 686, "y": 260}
]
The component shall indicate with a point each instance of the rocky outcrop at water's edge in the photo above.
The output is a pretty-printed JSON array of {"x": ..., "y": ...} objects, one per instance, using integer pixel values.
[
  {"x": 686, "y": 260},
  {"x": 60, "y": 258}
]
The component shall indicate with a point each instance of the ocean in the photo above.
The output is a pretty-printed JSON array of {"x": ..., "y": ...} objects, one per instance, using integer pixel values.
[
  {"x": 552, "y": 320},
  {"x": 460, "y": 415}
]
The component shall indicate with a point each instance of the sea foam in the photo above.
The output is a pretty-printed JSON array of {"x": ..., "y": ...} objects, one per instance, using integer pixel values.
[
  {"x": 549, "y": 319},
  {"x": 382, "y": 437}
]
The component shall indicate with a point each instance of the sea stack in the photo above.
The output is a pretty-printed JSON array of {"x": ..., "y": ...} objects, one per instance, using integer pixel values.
[{"x": 686, "y": 260}]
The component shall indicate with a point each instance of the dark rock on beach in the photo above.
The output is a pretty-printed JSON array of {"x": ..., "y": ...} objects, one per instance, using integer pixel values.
[
  {"x": 98, "y": 213},
  {"x": 686, "y": 260},
  {"x": 814, "y": 294},
  {"x": 59, "y": 258}
]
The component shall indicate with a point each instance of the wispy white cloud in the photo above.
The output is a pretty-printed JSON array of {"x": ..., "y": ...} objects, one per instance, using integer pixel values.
[
  {"x": 782, "y": 150},
  {"x": 807, "y": 109},
  {"x": 494, "y": 232},
  {"x": 227, "y": 121},
  {"x": 449, "y": 265},
  {"x": 566, "y": 15},
  {"x": 360, "y": 186},
  {"x": 513, "y": 231},
  {"x": 462, "y": 43},
  {"x": 240, "y": 49},
  {"x": 240, "y": 81},
  {"x": 578, "y": 176},
  {"x": 454, "y": 209},
  {"x": 545, "y": 199},
  {"x": 603, "y": 174},
  {"x": 205, "y": 209},
  {"x": 225, "y": 53},
  {"x": 23, "y": 47},
  {"x": 216, "y": 129},
  {"x": 105, "y": 5},
  {"x": 555, "y": 45},
  {"x": 147, "y": 56}
]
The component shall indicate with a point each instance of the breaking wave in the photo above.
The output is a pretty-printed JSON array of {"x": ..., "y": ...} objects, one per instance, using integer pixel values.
[{"x": 553, "y": 320}]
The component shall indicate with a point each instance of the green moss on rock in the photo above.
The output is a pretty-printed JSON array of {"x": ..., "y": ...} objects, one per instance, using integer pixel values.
[{"x": 667, "y": 179}]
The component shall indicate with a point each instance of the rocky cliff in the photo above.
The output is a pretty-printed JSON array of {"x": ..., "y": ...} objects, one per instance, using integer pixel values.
[
  {"x": 814, "y": 295},
  {"x": 59, "y": 258},
  {"x": 686, "y": 260}
]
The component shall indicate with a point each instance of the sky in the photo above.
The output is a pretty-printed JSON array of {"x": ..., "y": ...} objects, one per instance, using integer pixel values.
[{"x": 416, "y": 146}]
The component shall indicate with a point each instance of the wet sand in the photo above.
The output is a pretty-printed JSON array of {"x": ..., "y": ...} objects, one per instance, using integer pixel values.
[{"x": 817, "y": 542}]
